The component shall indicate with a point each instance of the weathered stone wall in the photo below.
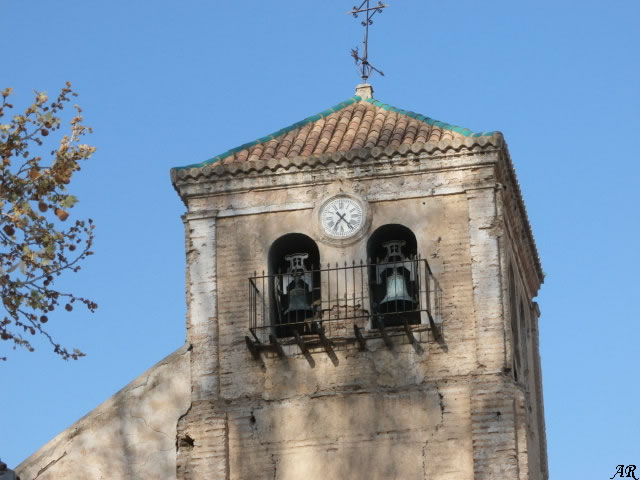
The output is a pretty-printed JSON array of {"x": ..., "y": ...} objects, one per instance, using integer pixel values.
[
  {"x": 130, "y": 436},
  {"x": 379, "y": 431},
  {"x": 431, "y": 410}
]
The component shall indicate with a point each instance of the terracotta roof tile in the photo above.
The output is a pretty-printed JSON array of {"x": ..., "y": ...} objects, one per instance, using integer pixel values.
[
  {"x": 387, "y": 130},
  {"x": 424, "y": 130},
  {"x": 285, "y": 144},
  {"x": 338, "y": 133},
  {"x": 399, "y": 131},
  {"x": 350, "y": 125},
  {"x": 241, "y": 156},
  {"x": 300, "y": 140},
  {"x": 410, "y": 132},
  {"x": 326, "y": 134},
  {"x": 269, "y": 149},
  {"x": 434, "y": 135}
]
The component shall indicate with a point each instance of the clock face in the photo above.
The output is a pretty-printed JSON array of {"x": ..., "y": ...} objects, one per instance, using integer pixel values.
[{"x": 341, "y": 217}]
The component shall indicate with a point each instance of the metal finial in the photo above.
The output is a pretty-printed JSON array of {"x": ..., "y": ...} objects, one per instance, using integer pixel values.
[{"x": 363, "y": 61}]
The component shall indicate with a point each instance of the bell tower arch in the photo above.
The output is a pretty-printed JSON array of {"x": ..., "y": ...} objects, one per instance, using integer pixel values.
[{"x": 294, "y": 283}]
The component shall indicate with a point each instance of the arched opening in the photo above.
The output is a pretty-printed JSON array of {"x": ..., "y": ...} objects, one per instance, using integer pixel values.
[
  {"x": 386, "y": 233},
  {"x": 393, "y": 276},
  {"x": 294, "y": 283}
]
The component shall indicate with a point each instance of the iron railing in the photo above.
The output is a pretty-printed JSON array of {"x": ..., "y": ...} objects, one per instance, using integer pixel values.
[{"x": 337, "y": 300}]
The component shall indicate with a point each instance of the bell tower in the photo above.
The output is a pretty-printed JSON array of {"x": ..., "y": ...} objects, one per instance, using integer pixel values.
[{"x": 360, "y": 292}]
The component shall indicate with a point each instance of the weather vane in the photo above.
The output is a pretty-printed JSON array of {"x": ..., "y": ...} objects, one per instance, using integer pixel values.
[{"x": 363, "y": 62}]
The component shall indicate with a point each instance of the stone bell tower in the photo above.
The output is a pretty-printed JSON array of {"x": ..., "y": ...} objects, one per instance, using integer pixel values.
[{"x": 359, "y": 289}]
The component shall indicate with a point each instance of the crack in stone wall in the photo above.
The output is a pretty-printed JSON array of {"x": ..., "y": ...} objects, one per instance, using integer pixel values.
[{"x": 50, "y": 464}]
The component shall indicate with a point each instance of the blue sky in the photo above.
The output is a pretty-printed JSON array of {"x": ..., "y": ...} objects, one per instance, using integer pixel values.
[{"x": 171, "y": 83}]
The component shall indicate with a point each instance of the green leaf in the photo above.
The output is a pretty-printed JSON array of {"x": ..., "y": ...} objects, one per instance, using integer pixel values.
[{"x": 69, "y": 201}]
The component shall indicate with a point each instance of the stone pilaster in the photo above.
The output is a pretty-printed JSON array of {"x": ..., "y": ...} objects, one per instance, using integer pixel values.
[
  {"x": 484, "y": 233},
  {"x": 202, "y": 324},
  {"x": 202, "y": 443}
]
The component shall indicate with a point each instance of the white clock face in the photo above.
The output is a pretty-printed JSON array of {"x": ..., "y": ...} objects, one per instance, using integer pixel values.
[{"x": 341, "y": 217}]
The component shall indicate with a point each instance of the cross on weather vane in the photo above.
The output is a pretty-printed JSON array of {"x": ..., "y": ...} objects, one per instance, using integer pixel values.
[{"x": 363, "y": 62}]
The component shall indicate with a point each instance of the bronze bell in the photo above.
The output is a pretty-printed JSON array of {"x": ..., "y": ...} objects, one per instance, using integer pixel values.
[
  {"x": 298, "y": 290},
  {"x": 394, "y": 272},
  {"x": 397, "y": 296},
  {"x": 298, "y": 301}
]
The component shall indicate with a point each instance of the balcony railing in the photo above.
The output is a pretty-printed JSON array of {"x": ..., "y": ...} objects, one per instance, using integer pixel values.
[{"x": 343, "y": 302}]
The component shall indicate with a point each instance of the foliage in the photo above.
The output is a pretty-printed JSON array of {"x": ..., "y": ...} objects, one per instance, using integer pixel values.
[{"x": 37, "y": 245}]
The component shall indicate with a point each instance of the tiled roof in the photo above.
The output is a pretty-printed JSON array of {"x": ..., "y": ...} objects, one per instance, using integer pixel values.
[{"x": 351, "y": 125}]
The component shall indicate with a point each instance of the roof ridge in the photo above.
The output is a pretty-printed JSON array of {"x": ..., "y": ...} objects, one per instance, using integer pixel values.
[{"x": 336, "y": 108}]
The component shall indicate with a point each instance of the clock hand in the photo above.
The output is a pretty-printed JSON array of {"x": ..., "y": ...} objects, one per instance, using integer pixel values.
[{"x": 335, "y": 227}]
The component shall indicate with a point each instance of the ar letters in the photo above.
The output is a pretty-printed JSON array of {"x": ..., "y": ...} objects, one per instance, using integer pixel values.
[{"x": 630, "y": 472}]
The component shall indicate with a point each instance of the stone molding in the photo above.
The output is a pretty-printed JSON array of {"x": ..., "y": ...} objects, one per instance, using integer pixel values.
[
  {"x": 469, "y": 144},
  {"x": 199, "y": 215}
]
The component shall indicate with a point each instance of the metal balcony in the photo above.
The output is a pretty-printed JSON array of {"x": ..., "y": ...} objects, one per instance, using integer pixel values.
[{"x": 342, "y": 304}]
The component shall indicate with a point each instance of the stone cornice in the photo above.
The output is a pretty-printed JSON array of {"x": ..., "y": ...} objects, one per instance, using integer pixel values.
[{"x": 213, "y": 172}]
